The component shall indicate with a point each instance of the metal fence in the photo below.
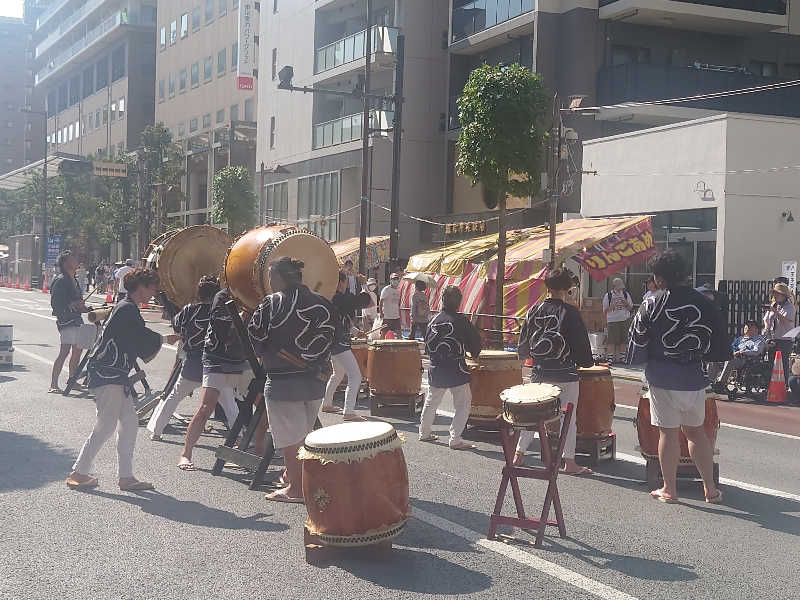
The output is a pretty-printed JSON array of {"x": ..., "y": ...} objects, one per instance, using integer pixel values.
[{"x": 744, "y": 301}]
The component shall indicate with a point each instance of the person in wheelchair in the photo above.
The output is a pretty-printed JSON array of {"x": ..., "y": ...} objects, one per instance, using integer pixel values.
[{"x": 747, "y": 348}]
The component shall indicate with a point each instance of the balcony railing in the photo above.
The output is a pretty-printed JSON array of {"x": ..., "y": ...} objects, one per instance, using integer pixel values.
[
  {"x": 49, "y": 12},
  {"x": 349, "y": 128},
  {"x": 775, "y": 7},
  {"x": 66, "y": 25},
  {"x": 353, "y": 47},
  {"x": 472, "y": 16},
  {"x": 639, "y": 82}
]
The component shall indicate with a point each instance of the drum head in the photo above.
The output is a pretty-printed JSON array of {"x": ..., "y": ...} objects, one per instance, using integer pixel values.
[
  {"x": 347, "y": 434},
  {"x": 188, "y": 255},
  {"x": 321, "y": 271},
  {"x": 595, "y": 371},
  {"x": 498, "y": 355},
  {"x": 396, "y": 344},
  {"x": 530, "y": 392}
]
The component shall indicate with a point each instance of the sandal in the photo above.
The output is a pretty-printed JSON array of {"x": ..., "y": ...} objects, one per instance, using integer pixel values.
[
  {"x": 74, "y": 484},
  {"x": 331, "y": 409},
  {"x": 430, "y": 438},
  {"x": 187, "y": 466},
  {"x": 579, "y": 473},
  {"x": 55, "y": 390},
  {"x": 716, "y": 499},
  {"x": 352, "y": 417},
  {"x": 519, "y": 458},
  {"x": 463, "y": 446},
  {"x": 661, "y": 497},
  {"x": 155, "y": 437},
  {"x": 134, "y": 485},
  {"x": 280, "y": 496}
]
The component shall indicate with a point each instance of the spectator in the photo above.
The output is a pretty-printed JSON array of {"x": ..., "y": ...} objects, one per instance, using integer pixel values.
[
  {"x": 352, "y": 282},
  {"x": 371, "y": 312},
  {"x": 778, "y": 320},
  {"x": 66, "y": 301},
  {"x": 100, "y": 278},
  {"x": 617, "y": 305},
  {"x": 750, "y": 344},
  {"x": 119, "y": 279},
  {"x": 651, "y": 288},
  {"x": 420, "y": 310},
  {"x": 390, "y": 304},
  {"x": 794, "y": 382}
]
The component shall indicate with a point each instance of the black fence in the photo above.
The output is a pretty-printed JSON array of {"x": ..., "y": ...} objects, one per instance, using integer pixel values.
[{"x": 746, "y": 301}]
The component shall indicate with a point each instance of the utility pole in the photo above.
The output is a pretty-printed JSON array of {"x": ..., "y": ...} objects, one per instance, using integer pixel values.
[
  {"x": 555, "y": 182},
  {"x": 365, "y": 126},
  {"x": 43, "y": 201},
  {"x": 141, "y": 236},
  {"x": 394, "y": 219}
]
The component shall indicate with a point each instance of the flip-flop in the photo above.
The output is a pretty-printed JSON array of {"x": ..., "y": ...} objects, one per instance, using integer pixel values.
[
  {"x": 716, "y": 499},
  {"x": 331, "y": 409},
  {"x": 463, "y": 446},
  {"x": 155, "y": 437},
  {"x": 55, "y": 390},
  {"x": 81, "y": 485},
  {"x": 353, "y": 418},
  {"x": 137, "y": 486},
  {"x": 430, "y": 438},
  {"x": 518, "y": 460},
  {"x": 659, "y": 495},
  {"x": 281, "y": 497},
  {"x": 583, "y": 471},
  {"x": 187, "y": 466}
]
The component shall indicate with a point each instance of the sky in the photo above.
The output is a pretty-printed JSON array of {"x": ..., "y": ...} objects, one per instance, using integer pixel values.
[{"x": 11, "y": 8}]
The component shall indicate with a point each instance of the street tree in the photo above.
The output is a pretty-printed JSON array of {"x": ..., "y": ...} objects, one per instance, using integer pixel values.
[
  {"x": 503, "y": 111},
  {"x": 234, "y": 201}
]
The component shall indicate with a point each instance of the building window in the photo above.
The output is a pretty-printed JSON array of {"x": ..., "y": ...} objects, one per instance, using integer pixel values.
[
  {"x": 118, "y": 63},
  {"x": 207, "y": 121},
  {"x": 184, "y": 25},
  {"x": 234, "y": 112},
  {"x": 223, "y": 7},
  {"x": 472, "y": 16},
  {"x": 161, "y": 90},
  {"x": 113, "y": 111},
  {"x": 209, "y": 11},
  {"x": 88, "y": 82},
  {"x": 220, "y": 115},
  {"x": 318, "y": 195},
  {"x": 222, "y": 61},
  {"x": 625, "y": 55},
  {"x": 77, "y": 129},
  {"x": 197, "y": 17},
  {"x": 208, "y": 68},
  {"x": 105, "y": 115},
  {"x": 74, "y": 91},
  {"x": 121, "y": 105},
  {"x": 70, "y": 132},
  {"x": 58, "y": 137},
  {"x": 276, "y": 203},
  {"x": 63, "y": 97},
  {"x": 163, "y": 38},
  {"x": 181, "y": 129},
  {"x": 182, "y": 80},
  {"x": 272, "y": 133},
  {"x": 274, "y": 6},
  {"x": 195, "y": 74},
  {"x": 235, "y": 4},
  {"x": 248, "y": 110},
  {"x": 234, "y": 55},
  {"x": 120, "y": 148},
  {"x": 97, "y": 119},
  {"x": 101, "y": 74},
  {"x": 764, "y": 69},
  {"x": 171, "y": 85},
  {"x": 193, "y": 125},
  {"x": 173, "y": 32},
  {"x": 274, "y": 63}
]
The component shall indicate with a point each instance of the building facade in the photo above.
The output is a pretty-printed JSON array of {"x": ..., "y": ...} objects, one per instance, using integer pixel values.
[
  {"x": 310, "y": 144},
  {"x": 94, "y": 64},
  {"x": 197, "y": 96},
  {"x": 13, "y": 97}
]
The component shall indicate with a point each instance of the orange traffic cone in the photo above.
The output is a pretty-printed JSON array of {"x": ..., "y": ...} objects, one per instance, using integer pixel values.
[
  {"x": 109, "y": 299},
  {"x": 529, "y": 362},
  {"x": 777, "y": 385}
]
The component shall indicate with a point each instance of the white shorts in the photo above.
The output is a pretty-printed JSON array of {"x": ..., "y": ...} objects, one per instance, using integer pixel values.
[
  {"x": 239, "y": 382},
  {"x": 290, "y": 421},
  {"x": 69, "y": 336},
  {"x": 672, "y": 408}
]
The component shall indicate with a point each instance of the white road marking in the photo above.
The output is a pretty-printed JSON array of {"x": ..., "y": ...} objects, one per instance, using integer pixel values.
[
  {"x": 524, "y": 558},
  {"x": 41, "y": 359},
  {"x": 732, "y": 426}
]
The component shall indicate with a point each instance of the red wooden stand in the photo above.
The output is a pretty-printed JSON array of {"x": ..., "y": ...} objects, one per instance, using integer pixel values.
[{"x": 548, "y": 473}]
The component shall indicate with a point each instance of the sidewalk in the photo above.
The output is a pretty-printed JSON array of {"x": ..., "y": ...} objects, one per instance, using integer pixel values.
[{"x": 628, "y": 373}]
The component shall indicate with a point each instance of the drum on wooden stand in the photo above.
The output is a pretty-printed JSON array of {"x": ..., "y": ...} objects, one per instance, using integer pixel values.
[
  {"x": 492, "y": 372},
  {"x": 361, "y": 352},
  {"x": 183, "y": 256},
  {"x": 355, "y": 484},
  {"x": 248, "y": 260},
  {"x": 394, "y": 370},
  {"x": 529, "y": 404},
  {"x": 595, "y": 414}
]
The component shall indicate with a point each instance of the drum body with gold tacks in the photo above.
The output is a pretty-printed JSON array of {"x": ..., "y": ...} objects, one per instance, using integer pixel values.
[{"x": 595, "y": 412}]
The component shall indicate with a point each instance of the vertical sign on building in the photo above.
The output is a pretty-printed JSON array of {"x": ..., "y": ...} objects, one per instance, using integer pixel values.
[
  {"x": 244, "y": 73},
  {"x": 789, "y": 270}
]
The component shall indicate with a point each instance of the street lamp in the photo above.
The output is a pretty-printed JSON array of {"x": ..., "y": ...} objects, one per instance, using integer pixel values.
[{"x": 43, "y": 207}]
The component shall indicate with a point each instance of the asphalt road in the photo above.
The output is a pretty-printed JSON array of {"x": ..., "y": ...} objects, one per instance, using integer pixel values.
[{"x": 204, "y": 536}]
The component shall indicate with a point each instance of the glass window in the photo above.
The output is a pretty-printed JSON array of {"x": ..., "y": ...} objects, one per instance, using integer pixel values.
[
  {"x": 161, "y": 89},
  {"x": 208, "y": 68},
  {"x": 113, "y": 111},
  {"x": 182, "y": 79},
  {"x": 70, "y": 132},
  {"x": 222, "y": 61},
  {"x": 319, "y": 195},
  {"x": 121, "y": 105},
  {"x": 163, "y": 38},
  {"x": 184, "y": 25},
  {"x": 77, "y": 129},
  {"x": 101, "y": 74},
  {"x": 206, "y": 121},
  {"x": 209, "y": 11},
  {"x": 272, "y": 132},
  {"x": 193, "y": 124},
  {"x": 274, "y": 63},
  {"x": 195, "y": 74},
  {"x": 274, "y": 6},
  {"x": 105, "y": 115},
  {"x": 97, "y": 118},
  {"x": 181, "y": 129},
  {"x": 248, "y": 110},
  {"x": 197, "y": 17},
  {"x": 223, "y": 7},
  {"x": 171, "y": 85},
  {"x": 74, "y": 91},
  {"x": 234, "y": 112},
  {"x": 58, "y": 137},
  {"x": 235, "y": 3},
  {"x": 220, "y": 115},
  {"x": 234, "y": 55},
  {"x": 118, "y": 63},
  {"x": 88, "y": 82},
  {"x": 173, "y": 32},
  {"x": 276, "y": 203}
]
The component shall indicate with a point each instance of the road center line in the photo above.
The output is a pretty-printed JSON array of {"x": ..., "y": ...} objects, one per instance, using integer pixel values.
[{"x": 524, "y": 558}]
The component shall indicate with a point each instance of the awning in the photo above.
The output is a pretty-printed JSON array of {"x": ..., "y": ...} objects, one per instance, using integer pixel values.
[
  {"x": 377, "y": 250},
  {"x": 19, "y": 178}
]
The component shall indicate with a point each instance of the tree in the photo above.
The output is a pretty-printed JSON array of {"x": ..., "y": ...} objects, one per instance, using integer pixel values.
[
  {"x": 234, "y": 201},
  {"x": 501, "y": 145}
]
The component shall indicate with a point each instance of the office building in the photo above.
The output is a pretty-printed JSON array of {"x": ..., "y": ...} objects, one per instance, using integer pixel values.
[
  {"x": 198, "y": 96},
  {"x": 13, "y": 44},
  {"x": 310, "y": 144},
  {"x": 94, "y": 63}
]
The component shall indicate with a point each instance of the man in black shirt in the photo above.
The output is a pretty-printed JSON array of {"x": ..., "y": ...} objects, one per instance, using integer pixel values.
[
  {"x": 554, "y": 336},
  {"x": 448, "y": 337},
  {"x": 67, "y": 303},
  {"x": 125, "y": 339}
]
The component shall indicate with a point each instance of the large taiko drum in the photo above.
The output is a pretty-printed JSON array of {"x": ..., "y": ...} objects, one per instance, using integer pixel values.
[
  {"x": 183, "y": 256},
  {"x": 595, "y": 413},
  {"x": 394, "y": 368},
  {"x": 361, "y": 352},
  {"x": 355, "y": 483},
  {"x": 247, "y": 262},
  {"x": 529, "y": 404},
  {"x": 492, "y": 372},
  {"x": 648, "y": 433}
]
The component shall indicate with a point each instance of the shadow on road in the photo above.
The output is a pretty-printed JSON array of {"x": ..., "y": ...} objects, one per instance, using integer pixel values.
[
  {"x": 6, "y": 378},
  {"x": 192, "y": 512},
  {"x": 38, "y": 463}
]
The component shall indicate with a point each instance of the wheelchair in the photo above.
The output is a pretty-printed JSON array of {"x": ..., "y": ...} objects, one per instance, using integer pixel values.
[{"x": 751, "y": 380}]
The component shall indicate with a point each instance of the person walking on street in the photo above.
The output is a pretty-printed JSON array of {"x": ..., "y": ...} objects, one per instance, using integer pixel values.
[
  {"x": 390, "y": 305},
  {"x": 673, "y": 332},
  {"x": 119, "y": 278},
  {"x": 420, "y": 310},
  {"x": 617, "y": 305},
  {"x": 66, "y": 301}
]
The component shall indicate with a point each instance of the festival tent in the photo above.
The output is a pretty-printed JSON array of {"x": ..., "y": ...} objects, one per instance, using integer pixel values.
[{"x": 377, "y": 251}]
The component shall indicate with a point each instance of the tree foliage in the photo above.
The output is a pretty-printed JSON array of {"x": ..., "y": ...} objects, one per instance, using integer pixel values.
[
  {"x": 234, "y": 200},
  {"x": 503, "y": 114}
]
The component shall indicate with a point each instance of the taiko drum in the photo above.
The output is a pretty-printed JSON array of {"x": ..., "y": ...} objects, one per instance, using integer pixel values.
[
  {"x": 492, "y": 372},
  {"x": 595, "y": 412},
  {"x": 355, "y": 483},
  {"x": 648, "y": 433},
  {"x": 361, "y": 352},
  {"x": 394, "y": 368}
]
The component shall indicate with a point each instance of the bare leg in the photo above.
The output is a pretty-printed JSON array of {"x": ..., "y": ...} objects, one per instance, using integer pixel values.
[
  {"x": 703, "y": 456},
  {"x": 294, "y": 472},
  {"x": 669, "y": 450},
  {"x": 261, "y": 431},
  {"x": 74, "y": 360},
  {"x": 59, "y": 364},
  {"x": 208, "y": 399}
]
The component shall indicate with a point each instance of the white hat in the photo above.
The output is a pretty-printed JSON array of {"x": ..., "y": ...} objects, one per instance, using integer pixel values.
[{"x": 371, "y": 281}]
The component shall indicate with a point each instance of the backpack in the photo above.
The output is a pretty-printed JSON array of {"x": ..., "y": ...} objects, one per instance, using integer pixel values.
[{"x": 625, "y": 295}]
